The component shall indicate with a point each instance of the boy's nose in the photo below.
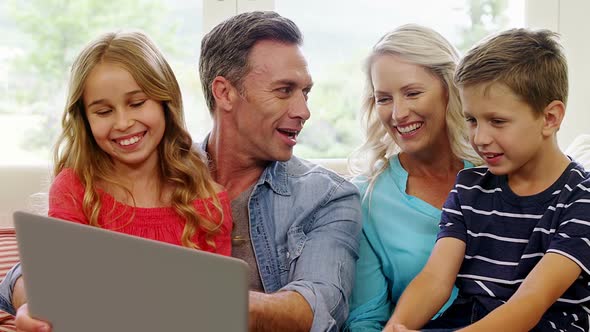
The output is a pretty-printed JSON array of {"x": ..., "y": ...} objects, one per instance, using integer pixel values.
[{"x": 481, "y": 137}]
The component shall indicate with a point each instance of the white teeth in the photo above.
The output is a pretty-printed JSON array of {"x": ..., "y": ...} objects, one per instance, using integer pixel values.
[
  {"x": 130, "y": 141},
  {"x": 410, "y": 128}
]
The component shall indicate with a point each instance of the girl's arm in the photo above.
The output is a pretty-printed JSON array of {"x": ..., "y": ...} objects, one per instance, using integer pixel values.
[{"x": 431, "y": 288}]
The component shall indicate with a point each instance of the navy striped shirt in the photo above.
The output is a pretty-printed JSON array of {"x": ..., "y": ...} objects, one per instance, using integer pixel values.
[{"x": 506, "y": 235}]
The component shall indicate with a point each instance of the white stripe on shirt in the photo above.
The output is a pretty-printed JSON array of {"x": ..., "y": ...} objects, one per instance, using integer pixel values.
[{"x": 496, "y": 237}]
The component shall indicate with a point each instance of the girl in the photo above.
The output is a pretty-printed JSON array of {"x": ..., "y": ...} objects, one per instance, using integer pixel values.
[{"x": 124, "y": 160}]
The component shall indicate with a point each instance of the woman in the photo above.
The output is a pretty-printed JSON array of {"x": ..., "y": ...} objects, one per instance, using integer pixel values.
[{"x": 416, "y": 143}]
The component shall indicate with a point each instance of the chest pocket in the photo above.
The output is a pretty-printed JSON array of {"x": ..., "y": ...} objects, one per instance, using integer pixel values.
[{"x": 289, "y": 254}]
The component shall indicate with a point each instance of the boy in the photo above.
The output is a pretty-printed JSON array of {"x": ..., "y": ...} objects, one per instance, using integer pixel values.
[{"x": 514, "y": 235}]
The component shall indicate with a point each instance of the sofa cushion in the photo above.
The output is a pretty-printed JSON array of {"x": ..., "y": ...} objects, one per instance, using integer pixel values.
[{"x": 8, "y": 257}]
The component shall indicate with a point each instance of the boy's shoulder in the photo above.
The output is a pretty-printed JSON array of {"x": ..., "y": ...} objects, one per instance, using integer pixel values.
[
  {"x": 577, "y": 179},
  {"x": 476, "y": 176}
]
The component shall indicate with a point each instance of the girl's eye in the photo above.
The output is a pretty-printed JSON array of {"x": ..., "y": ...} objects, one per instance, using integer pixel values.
[
  {"x": 498, "y": 121},
  {"x": 470, "y": 120},
  {"x": 414, "y": 93},
  {"x": 103, "y": 112},
  {"x": 137, "y": 104}
]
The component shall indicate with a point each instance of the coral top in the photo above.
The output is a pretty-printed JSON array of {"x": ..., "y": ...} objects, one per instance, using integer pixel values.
[{"x": 158, "y": 223}]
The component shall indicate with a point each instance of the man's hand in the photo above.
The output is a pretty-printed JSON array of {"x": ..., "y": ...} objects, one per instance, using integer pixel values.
[{"x": 281, "y": 311}]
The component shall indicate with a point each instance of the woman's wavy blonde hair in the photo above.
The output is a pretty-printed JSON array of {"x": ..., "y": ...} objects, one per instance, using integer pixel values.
[
  {"x": 179, "y": 165},
  {"x": 427, "y": 48}
]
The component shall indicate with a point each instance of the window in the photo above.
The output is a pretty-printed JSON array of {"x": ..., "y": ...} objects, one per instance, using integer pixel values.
[
  {"x": 338, "y": 35},
  {"x": 41, "y": 37}
]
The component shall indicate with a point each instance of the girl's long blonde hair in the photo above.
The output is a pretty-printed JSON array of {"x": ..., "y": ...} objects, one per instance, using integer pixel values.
[
  {"x": 427, "y": 48},
  {"x": 180, "y": 167}
]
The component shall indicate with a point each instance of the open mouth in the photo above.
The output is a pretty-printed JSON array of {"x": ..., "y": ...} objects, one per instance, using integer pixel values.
[
  {"x": 128, "y": 141},
  {"x": 409, "y": 129},
  {"x": 290, "y": 133}
]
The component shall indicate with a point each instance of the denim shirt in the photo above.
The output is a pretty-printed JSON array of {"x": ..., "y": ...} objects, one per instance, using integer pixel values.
[{"x": 305, "y": 224}]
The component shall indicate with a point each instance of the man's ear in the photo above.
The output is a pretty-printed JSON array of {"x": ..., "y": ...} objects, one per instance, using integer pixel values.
[
  {"x": 224, "y": 93},
  {"x": 553, "y": 115}
]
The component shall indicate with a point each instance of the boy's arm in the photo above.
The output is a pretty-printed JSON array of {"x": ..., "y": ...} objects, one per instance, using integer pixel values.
[
  {"x": 550, "y": 278},
  {"x": 431, "y": 288}
]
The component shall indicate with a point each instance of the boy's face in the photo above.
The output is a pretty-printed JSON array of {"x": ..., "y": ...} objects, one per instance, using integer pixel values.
[{"x": 503, "y": 128}]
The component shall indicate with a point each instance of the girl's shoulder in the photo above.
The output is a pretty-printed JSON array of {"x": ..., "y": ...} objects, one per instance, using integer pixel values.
[{"x": 67, "y": 179}]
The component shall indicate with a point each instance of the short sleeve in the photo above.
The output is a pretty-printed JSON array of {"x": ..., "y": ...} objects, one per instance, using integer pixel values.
[
  {"x": 572, "y": 235},
  {"x": 65, "y": 197},
  {"x": 452, "y": 223}
]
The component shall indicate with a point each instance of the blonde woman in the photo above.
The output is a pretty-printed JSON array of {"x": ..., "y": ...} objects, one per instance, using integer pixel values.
[
  {"x": 416, "y": 143},
  {"x": 124, "y": 160}
]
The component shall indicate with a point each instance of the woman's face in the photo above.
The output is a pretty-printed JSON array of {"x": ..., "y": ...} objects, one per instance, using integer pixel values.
[{"x": 411, "y": 103}]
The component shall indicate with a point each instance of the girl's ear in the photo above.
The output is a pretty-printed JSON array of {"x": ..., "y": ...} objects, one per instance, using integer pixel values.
[
  {"x": 553, "y": 115},
  {"x": 224, "y": 93}
]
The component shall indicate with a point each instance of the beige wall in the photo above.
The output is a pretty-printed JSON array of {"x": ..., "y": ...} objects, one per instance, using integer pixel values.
[{"x": 570, "y": 19}]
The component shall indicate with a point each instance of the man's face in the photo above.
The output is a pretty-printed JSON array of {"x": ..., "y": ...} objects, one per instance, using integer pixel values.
[{"x": 272, "y": 107}]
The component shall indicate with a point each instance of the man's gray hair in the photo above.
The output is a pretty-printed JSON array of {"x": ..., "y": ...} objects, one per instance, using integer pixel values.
[{"x": 225, "y": 49}]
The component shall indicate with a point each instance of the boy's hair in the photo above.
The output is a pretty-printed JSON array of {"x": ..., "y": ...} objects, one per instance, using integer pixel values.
[
  {"x": 426, "y": 48},
  {"x": 530, "y": 62},
  {"x": 179, "y": 165},
  {"x": 225, "y": 49}
]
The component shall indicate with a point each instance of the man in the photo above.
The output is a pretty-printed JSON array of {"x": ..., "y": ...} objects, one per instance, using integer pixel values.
[
  {"x": 296, "y": 224},
  {"x": 302, "y": 221}
]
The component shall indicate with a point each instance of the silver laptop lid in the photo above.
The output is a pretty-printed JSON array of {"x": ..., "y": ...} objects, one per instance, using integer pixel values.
[{"x": 83, "y": 278}]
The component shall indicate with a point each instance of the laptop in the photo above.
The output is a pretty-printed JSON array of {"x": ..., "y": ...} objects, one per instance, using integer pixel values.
[{"x": 83, "y": 278}]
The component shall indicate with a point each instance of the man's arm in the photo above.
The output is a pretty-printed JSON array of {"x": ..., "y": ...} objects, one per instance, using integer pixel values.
[
  {"x": 281, "y": 311},
  {"x": 323, "y": 271},
  {"x": 431, "y": 288},
  {"x": 550, "y": 278}
]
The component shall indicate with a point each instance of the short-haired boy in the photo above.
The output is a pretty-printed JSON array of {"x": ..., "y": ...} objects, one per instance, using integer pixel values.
[{"x": 514, "y": 235}]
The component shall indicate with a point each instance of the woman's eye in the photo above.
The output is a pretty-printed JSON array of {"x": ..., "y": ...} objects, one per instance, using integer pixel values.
[{"x": 382, "y": 100}]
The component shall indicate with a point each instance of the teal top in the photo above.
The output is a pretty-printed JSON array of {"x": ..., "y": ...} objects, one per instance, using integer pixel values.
[{"x": 399, "y": 231}]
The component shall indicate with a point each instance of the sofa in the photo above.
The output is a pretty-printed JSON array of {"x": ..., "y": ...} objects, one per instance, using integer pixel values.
[{"x": 24, "y": 189}]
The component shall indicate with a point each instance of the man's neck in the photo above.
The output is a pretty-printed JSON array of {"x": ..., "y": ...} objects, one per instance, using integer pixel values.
[{"x": 232, "y": 169}]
